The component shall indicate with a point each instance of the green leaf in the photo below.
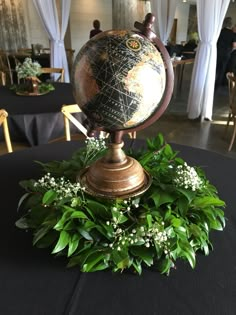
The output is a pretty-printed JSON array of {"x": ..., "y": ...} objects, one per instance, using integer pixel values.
[
  {"x": 164, "y": 265},
  {"x": 144, "y": 253},
  {"x": 85, "y": 234},
  {"x": 88, "y": 225},
  {"x": 62, "y": 242},
  {"x": 168, "y": 151},
  {"x": 49, "y": 197},
  {"x": 205, "y": 247},
  {"x": 92, "y": 261},
  {"x": 146, "y": 158},
  {"x": 187, "y": 252},
  {"x": 183, "y": 206},
  {"x": 176, "y": 222},
  {"x": 22, "y": 199},
  {"x": 189, "y": 194},
  {"x": 149, "y": 220},
  {"x": 216, "y": 225},
  {"x": 125, "y": 263},
  {"x": 97, "y": 208},
  {"x": 73, "y": 244},
  {"x": 181, "y": 230},
  {"x": 48, "y": 239},
  {"x": 137, "y": 266},
  {"x": 195, "y": 230},
  {"x": 202, "y": 202},
  {"x": 22, "y": 223},
  {"x": 60, "y": 224},
  {"x": 40, "y": 233},
  {"x": 121, "y": 258},
  {"x": 161, "y": 197},
  {"x": 78, "y": 215},
  {"x": 121, "y": 219}
]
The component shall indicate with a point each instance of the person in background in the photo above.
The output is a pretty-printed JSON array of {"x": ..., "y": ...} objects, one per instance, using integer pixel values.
[
  {"x": 225, "y": 44},
  {"x": 231, "y": 66},
  {"x": 96, "y": 29}
]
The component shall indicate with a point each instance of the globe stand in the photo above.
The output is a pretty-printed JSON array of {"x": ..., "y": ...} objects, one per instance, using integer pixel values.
[{"x": 115, "y": 175}]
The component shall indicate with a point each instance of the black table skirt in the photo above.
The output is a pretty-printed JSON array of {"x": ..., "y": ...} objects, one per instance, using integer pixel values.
[
  {"x": 37, "y": 119},
  {"x": 34, "y": 282}
]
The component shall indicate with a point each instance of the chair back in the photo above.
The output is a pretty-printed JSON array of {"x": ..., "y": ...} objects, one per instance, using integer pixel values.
[
  {"x": 2, "y": 78},
  {"x": 5, "y": 66},
  {"x": 231, "y": 84},
  {"x": 59, "y": 71},
  {"x": 232, "y": 106},
  {"x": 3, "y": 122},
  {"x": 68, "y": 111}
]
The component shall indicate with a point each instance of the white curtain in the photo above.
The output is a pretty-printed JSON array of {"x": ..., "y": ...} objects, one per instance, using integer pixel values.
[
  {"x": 164, "y": 11},
  {"x": 210, "y": 15},
  {"x": 48, "y": 12}
]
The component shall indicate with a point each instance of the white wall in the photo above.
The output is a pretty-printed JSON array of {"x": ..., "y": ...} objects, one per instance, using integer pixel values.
[
  {"x": 182, "y": 14},
  {"x": 232, "y": 11},
  {"x": 83, "y": 12}
]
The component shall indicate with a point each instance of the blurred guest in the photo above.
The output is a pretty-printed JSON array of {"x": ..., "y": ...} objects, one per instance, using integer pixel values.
[
  {"x": 191, "y": 45},
  {"x": 225, "y": 44},
  {"x": 96, "y": 29},
  {"x": 231, "y": 66}
]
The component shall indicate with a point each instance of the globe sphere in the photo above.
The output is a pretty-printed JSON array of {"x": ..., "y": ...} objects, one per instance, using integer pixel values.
[{"x": 118, "y": 79}]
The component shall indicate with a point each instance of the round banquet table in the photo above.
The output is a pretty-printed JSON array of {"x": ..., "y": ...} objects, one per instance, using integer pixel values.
[
  {"x": 36, "y": 119},
  {"x": 33, "y": 282}
]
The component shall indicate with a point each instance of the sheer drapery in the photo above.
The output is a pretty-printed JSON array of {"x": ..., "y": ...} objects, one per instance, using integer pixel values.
[
  {"x": 210, "y": 15},
  {"x": 164, "y": 10},
  {"x": 48, "y": 12}
]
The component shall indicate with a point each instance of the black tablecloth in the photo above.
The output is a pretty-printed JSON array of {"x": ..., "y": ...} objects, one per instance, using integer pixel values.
[
  {"x": 32, "y": 282},
  {"x": 36, "y": 119}
]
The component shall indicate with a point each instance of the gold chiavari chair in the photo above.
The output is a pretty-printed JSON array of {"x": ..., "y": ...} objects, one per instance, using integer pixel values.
[
  {"x": 59, "y": 71},
  {"x": 232, "y": 106},
  {"x": 3, "y": 122}
]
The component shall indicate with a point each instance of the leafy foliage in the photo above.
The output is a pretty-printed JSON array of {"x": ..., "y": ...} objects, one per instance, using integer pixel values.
[{"x": 168, "y": 222}]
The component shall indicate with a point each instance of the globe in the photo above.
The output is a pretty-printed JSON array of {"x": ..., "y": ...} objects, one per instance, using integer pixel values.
[{"x": 118, "y": 79}]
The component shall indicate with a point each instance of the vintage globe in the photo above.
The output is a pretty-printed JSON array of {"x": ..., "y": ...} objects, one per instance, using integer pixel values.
[{"x": 119, "y": 79}]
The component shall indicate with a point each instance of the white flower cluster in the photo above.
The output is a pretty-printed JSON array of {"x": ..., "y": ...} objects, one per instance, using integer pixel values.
[
  {"x": 93, "y": 147},
  {"x": 141, "y": 235},
  {"x": 28, "y": 68},
  {"x": 95, "y": 144},
  {"x": 63, "y": 187},
  {"x": 187, "y": 177}
]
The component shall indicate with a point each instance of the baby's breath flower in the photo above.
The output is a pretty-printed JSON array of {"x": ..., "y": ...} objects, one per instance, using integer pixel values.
[
  {"x": 95, "y": 144},
  {"x": 63, "y": 187},
  {"x": 187, "y": 177}
]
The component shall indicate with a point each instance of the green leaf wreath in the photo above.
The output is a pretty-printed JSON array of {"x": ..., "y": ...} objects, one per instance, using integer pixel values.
[{"x": 170, "y": 221}]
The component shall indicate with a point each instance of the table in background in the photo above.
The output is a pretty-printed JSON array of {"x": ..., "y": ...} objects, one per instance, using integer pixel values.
[
  {"x": 33, "y": 282},
  {"x": 36, "y": 119}
]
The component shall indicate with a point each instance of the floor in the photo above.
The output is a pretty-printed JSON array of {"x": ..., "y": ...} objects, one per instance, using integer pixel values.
[{"x": 177, "y": 128}]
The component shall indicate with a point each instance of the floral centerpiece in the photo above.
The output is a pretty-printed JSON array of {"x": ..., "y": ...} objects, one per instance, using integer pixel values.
[
  {"x": 29, "y": 71},
  {"x": 172, "y": 220}
]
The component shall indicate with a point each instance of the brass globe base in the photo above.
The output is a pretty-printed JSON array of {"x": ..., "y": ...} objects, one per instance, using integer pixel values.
[{"x": 115, "y": 176}]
